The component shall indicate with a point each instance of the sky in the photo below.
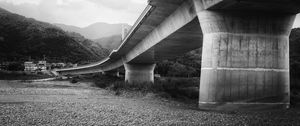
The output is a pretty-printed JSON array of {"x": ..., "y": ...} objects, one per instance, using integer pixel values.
[
  {"x": 79, "y": 13},
  {"x": 82, "y": 13}
]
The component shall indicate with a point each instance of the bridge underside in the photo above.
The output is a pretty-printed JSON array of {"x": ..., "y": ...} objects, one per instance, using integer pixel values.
[
  {"x": 185, "y": 39},
  {"x": 245, "y": 48},
  {"x": 245, "y": 58}
]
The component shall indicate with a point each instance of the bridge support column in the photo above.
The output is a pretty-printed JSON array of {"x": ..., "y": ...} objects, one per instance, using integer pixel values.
[
  {"x": 245, "y": 59},
  {"x": 112, "y": 73},
  {"x": 139, "y": 73}
]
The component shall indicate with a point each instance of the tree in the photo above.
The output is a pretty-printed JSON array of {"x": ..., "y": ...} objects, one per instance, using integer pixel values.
[{"x": 15, "y": 67}]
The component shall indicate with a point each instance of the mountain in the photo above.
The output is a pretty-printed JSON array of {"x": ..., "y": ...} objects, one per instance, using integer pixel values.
[
  {"x": 95, "y": 31},
  {"x": 110, "y": 43},
  {"x": 22, "y": 37},
  {"x": 69, "y": 28}
]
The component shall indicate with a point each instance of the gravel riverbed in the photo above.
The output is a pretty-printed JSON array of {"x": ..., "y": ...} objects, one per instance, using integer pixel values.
[{"x": 63, "y": 103}]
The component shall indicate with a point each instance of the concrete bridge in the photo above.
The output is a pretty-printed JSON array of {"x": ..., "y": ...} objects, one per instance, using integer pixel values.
[{"x": 245, "y": 48}]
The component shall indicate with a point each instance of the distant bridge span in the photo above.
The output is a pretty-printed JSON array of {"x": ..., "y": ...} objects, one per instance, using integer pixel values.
[{"x": 245, "y": 48}]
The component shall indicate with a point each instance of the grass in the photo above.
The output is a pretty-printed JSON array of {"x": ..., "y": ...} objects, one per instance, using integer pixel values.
[{"x": 21, "y": 75}]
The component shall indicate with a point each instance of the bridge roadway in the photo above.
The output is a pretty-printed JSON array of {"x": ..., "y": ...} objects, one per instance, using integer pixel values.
[{"x": 245, "y": 48}]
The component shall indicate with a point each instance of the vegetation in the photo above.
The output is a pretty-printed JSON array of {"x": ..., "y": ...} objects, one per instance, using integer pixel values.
[
  {"x": 20, "y": 75},
  {"x": 15, "y": 66},
  {"x": 188, "y": 65},
  {"x": 182, "y": 88},
  {"x": 22, "y": 37}
]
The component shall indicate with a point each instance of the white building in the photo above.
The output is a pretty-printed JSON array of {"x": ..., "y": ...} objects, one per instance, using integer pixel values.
[
  {"x": 42, "y": 65},
  {"x": 30, "y": 66}
]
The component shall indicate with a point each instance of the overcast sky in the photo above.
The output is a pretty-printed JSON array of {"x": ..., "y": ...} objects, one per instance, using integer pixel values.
[
  {"x": 77, "y": 12},
  {"x": 81, "y": 13}
]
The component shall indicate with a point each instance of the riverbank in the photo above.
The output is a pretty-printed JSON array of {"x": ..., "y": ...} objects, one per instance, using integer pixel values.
[{"x": 65, "y": 103}]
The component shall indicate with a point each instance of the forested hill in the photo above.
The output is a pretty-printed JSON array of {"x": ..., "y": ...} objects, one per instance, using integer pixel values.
[{"x": 22, "y": 37}]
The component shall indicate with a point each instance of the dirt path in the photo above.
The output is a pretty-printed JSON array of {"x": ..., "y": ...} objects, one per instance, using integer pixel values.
[{"x": 62, "y": 103}]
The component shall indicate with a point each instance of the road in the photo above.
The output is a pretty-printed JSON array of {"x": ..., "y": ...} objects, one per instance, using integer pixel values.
[{"x": 63, "y": 103}]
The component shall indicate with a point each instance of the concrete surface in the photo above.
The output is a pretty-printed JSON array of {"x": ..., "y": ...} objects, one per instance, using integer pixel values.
[{"x": 139, "y": 73}]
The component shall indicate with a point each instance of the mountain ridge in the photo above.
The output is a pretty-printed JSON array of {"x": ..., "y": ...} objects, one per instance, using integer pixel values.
[
  {"x": 22, "y": 37},
  {"x": 96, "y": 30},
  {"x": 110, "y": 42}
]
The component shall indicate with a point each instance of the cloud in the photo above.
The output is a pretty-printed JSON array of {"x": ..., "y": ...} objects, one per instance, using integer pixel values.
[
  {"x": 18, "y": 2},
  {"x": 113, "y": 4},
  {"x": 77, "y": 12},
  {"x": 120, "y": 4},
  {"x": 138, "y": 1}
]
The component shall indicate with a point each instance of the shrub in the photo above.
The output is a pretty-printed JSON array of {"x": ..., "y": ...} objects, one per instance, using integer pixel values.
[
  {"x": 175, "y": 87},
  {"x": 105, "y": 81},
  {"x": 74, "y": 80}
]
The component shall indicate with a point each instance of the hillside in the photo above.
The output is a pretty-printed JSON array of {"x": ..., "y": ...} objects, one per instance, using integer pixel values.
[
  {"x": 22, "y": 37},
  {"x": 95, "y": 31},
  {"x": 110, "y": 43}
]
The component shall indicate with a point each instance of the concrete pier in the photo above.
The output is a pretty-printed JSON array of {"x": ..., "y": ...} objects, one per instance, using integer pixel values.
[
  {"x": 139, "y": 73},
  {"x": 114, "y": 73},
  {"x": 245, "y": 58}
]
